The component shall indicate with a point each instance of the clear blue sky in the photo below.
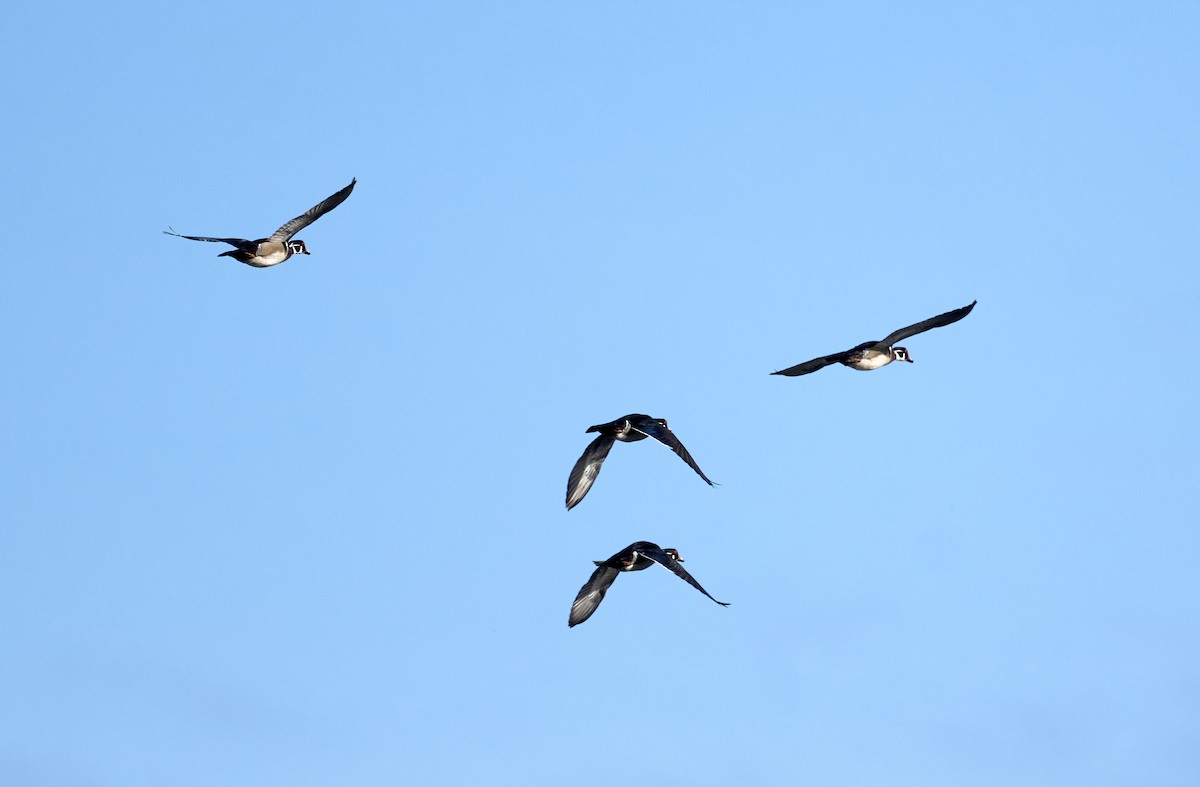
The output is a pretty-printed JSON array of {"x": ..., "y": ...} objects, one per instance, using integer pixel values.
[{"x": 305, "y": 525}]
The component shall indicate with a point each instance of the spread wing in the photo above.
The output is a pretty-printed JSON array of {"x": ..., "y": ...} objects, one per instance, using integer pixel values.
[
  {"x": 665, "y": 560},
  {"x": 584, "y": 473},
  {"x": 820, "y": 363},
  {"x": 662, "y": 434},
  {"x": 240, "y": 243},
  {"x": 287, "y": 231},
  {"x": 925, "y": 325},
  {"x": 591, "y": 594}
]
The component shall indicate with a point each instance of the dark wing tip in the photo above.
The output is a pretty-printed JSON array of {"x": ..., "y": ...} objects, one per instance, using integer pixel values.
[
  {"x": 955, "y": 315},
  {"x": 799, "y": 369}
]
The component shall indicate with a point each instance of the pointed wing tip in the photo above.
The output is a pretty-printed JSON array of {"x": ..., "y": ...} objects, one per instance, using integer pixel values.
[{"x": 574, "y": 498}]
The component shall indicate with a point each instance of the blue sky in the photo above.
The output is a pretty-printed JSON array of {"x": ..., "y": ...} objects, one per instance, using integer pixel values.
[{"x": 305, "y": 525}]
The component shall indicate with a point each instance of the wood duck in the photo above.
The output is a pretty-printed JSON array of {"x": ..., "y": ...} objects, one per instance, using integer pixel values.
[
  {"x": 627, "y": 429},
  {"x": 265, "y": 252},
  {"x": 872, "y": 355},
  {"x": 635, "y": 557}
]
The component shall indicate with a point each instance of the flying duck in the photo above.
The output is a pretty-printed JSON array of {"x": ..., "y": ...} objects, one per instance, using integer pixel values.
[
  {"x": 635, "y": 557},
  {"x": 265, "y": 252},
  {"x": 627, "y": 429},
  {"x": 872, "y": 355}
]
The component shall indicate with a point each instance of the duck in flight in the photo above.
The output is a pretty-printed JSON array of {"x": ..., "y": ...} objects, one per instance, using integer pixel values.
[
  {"x": 627, "y": 429},
  {"x": 265, "y": 252},
  {"x": 635, "y": 557},
  {"x": 872, "y": 355}
]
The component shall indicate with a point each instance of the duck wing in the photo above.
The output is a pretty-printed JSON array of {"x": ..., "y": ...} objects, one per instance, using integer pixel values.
[
  {"x": 591, "y": 594},
  {"x": 665, "y": 560},
  {"x": 241, "y": 243},
  {"x": 586, "y": 468},
  {"x": 925, "y": 325},
  {"x": 652, "y": 428},
  {"x": 820, "y": 363},
  {"x": 287, "y": 231}
]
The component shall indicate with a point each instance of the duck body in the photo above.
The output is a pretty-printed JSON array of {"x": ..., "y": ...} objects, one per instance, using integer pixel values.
[
  {"x": 264, "y": 253},
  {"x": 868, "y": 357},
  {"x": 633, "y": 557},
  {"x": 623, "y": 428}
]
